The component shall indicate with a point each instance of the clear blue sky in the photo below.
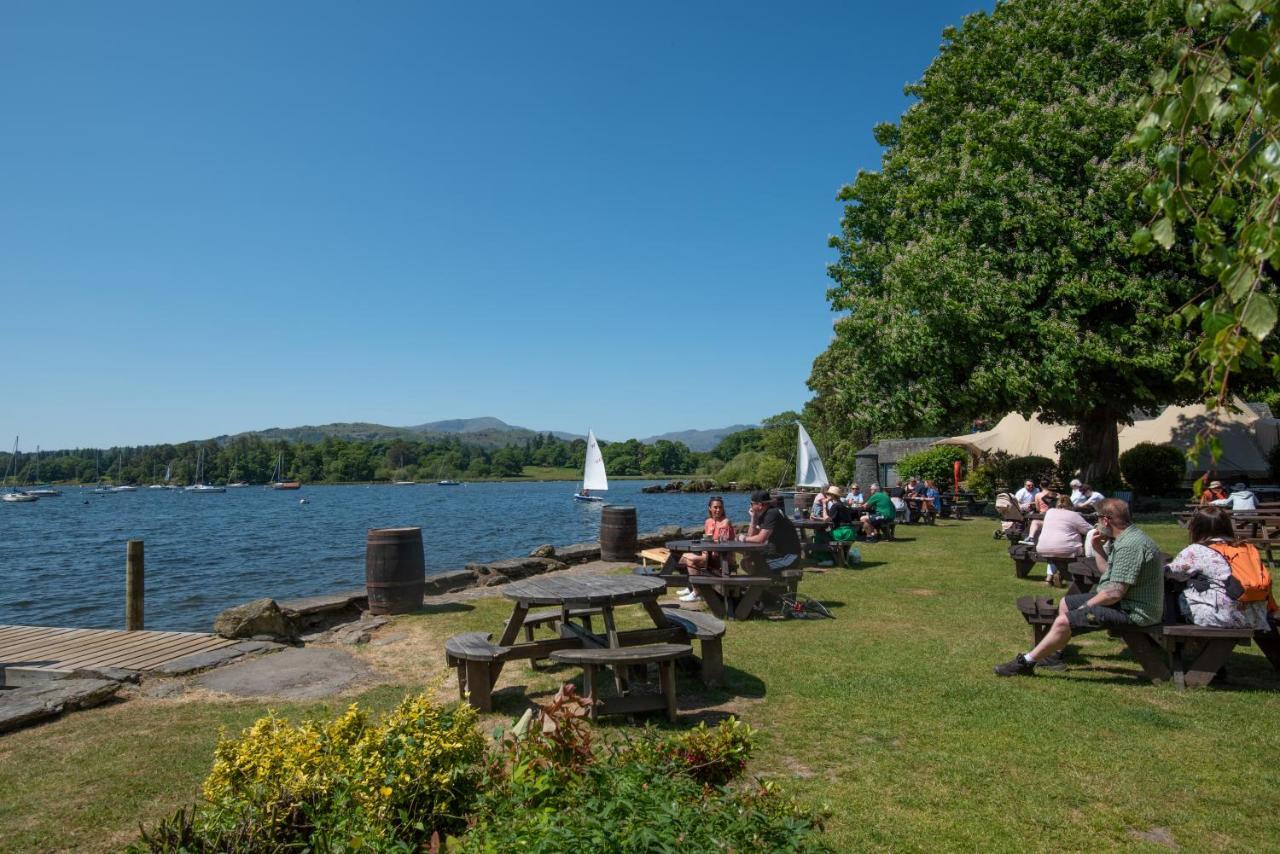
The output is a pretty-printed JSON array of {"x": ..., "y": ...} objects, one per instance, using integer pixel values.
[{"x": 232, "y": 216}]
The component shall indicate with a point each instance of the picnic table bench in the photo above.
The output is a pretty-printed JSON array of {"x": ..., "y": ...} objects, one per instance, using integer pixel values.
[
  {"x": 592, "y": 659},
  {"x": 735, "y": 597}
]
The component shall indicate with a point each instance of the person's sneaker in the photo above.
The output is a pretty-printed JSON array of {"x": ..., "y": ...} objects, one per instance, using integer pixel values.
[
  {"x": 1052, "y": 662},
  {"x": 872, "y": 539},
  {"x": 1026, "y": 542},
  {"x": 684, "y": 591},
  {"x": 1018, "y": 667},
  {"x": 691, "y": 596}
]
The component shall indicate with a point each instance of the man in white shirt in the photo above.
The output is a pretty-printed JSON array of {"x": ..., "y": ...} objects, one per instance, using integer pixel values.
[
  {"x": 1088, "y": 499},
  {"x": 1027, "y": 495},
  {"x": 1075, "y": 490},
  {"x": 1241, "y": 498}
]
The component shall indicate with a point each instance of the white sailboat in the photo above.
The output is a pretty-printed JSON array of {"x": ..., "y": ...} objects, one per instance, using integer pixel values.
[
  {"x": 200, "y": 487},
  {"x": 123, "y": 487},
  {"x": 15, "y": 495},
  {"x": 41, "y": 490},
  {"x": 809, "y": 470},
  {"x": 593, "y": 473},
  {"x": 97, "y": 476}
]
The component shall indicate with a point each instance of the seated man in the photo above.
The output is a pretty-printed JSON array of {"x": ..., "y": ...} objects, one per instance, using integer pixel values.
[
  {"x": 1087, "y": 499},
  {"x": 1027, "y": 495},
  {"x": 770, "y": 525},
  {"x": 880, "y": 510},
  {"x": 1075, "y": 490},
  {"x": 1129, "y": 593}
]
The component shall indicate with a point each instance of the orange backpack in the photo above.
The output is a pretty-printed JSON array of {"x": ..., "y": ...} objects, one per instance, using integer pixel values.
[{"x": 1250, "y": 580}]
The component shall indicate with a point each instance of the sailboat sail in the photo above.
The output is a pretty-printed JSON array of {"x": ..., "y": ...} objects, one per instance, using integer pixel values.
[
  {"x": 809, "y": 470},
  {"x": 593, "y": 476}
]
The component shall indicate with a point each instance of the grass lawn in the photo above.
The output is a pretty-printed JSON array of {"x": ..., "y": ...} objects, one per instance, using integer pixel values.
[{"x": 889, "y": 714}]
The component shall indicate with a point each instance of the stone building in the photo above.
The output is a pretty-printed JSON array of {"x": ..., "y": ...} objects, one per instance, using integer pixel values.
[{"x": 878, "y": 463}]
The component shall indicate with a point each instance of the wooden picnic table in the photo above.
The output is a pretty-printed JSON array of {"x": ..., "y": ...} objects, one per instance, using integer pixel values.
[
  {"x": 753, "y": 554},
  {"x": 605, "y": 592}
]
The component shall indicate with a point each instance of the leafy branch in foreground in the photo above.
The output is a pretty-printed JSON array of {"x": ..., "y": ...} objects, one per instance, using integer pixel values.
[{"x": 1212, "y": 123}]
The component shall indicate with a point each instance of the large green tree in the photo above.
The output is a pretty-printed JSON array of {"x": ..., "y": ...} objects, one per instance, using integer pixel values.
[{"x": 987, "y": 266}]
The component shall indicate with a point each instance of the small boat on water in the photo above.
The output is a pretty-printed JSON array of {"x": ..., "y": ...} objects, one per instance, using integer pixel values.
[
  {"x": 42, "y": 490},
  {"x": 404, "y": 483},
  {"x": 593, "y": 473},
  {"x": 15, "y": 495},
  {"x": 200, "y": 487},
  {"x": 277, "y": 477},
  {"x": 448, "y": 482},
  {"x": 239, "y": 484}
]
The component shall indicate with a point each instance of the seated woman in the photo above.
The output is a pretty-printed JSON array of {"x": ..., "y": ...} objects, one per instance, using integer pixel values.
[
  {"x": 716, "y": 528},
  {"x": 1061, "y": 535},
  {"x": 1046, "y": 499},
  {"x": 1205, "y": 601}
]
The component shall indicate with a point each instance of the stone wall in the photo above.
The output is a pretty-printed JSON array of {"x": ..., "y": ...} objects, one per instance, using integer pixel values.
[{"x": 315, "y": 613}]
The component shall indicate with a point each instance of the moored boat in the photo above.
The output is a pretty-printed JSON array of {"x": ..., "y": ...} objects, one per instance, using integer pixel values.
[{"x": 593, "y": 473}]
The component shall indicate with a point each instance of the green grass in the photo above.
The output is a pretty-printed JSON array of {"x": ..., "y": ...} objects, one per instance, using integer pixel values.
[{"x": 889, "y": 714}]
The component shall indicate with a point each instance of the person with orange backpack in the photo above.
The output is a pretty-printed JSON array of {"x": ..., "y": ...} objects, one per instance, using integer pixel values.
[{"x": 1228, "y": 585}]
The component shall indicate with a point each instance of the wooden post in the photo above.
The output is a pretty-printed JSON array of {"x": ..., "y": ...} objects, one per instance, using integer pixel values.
[{"x": 133, "y": 586}]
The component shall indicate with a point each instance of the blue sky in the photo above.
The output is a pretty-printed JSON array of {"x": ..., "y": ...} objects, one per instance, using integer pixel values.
[{"x": 238, "y": 215}]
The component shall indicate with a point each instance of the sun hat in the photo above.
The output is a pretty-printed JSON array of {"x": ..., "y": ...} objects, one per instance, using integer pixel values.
[
  {"x": 835, "y": 491},
  {"x": 1215, "y": 484}
]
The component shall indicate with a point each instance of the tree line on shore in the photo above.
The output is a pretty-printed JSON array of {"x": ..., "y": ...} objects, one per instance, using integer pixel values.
[{"x": 747, "y": 456}]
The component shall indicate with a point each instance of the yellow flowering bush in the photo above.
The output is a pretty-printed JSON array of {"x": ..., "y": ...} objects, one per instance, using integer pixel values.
[{"x": 353, "y": 780}]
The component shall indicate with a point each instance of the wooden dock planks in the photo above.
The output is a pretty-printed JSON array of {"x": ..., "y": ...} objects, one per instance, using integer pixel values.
[{"x": 49, "y": 648}]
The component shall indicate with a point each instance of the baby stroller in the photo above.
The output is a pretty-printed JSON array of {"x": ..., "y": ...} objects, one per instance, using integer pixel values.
[{"x": 1013, "y": 524}]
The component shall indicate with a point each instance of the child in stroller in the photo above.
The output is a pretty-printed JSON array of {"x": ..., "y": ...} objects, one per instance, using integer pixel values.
[{"x": 1012, "y": 521}]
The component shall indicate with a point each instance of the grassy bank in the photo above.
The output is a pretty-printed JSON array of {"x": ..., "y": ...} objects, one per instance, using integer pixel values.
[{"x": 889, "y": 714}]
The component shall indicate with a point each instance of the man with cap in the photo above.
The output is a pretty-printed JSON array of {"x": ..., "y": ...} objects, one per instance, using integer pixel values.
[
  {"x": 1214, "y": 493},
  {"x": 770, "y": 525},
  {"x": 1241, "y": 498}
]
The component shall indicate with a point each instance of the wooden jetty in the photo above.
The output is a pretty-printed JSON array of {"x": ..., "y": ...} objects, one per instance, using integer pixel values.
[{"x": 57, "y": 650}]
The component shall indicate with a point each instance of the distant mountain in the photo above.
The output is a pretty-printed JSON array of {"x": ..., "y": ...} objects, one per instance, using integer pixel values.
[
  {"x": 487, "y": 432},
  {"x": 487, "y": 424},
  {"x": 699, "y": 440},
  {"x": 483, "y": 432}
]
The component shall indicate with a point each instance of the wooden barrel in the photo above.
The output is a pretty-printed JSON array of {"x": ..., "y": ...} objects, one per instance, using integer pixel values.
[
  {"x": 617, "y": 532},
  {"x": 394, "y": 570}
]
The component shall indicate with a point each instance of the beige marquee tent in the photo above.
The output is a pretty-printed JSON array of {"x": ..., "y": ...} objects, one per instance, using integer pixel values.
[
  {"x": 1021, "y": 437},
  {"x": 1242, "y": 454}
]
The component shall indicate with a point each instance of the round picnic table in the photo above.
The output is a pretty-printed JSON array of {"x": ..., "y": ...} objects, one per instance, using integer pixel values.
[{"x": 584, "y": 591}]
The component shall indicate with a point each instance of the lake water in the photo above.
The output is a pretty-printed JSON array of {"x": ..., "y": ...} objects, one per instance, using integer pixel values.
[{"x": 62, "y": 559}]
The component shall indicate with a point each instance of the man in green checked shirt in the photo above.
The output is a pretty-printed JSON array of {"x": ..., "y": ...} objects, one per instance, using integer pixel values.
[{"x": 1130, "y": 592}]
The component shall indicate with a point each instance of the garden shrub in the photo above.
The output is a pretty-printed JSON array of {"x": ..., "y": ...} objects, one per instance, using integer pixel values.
[
  {"x": 934, "y": 463},
  {"x": 648, "y": 794},
  {"x": 1152, "y": 469},
  {"x": 347, "y": 782},
  {"x": 989, "y": 475},
  {"x": 421, "y": 779},
  {"x": 1040, "y": 469}
]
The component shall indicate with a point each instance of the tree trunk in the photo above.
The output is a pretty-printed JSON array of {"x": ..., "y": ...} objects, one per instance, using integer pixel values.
[{"x": 1100, "y": 437}]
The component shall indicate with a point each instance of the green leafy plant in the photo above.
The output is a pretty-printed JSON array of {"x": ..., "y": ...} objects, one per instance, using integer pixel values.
[
  {"x": 936, "y": 463},
  {"x": 1153, "y": 469},
  {"x": 1211, "y": 125},
  {"x": 350, "y": 781},
  {"x": 1040, "y": 469},
  {"x": 990, "y": 475}
]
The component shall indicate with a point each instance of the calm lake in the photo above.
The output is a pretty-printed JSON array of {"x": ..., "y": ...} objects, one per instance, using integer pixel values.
[{"x": 62, "y": 559}]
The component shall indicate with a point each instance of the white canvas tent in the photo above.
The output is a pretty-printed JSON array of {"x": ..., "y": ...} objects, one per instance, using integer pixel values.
[
  {"x": 1178, "y": 425},
  {"x": 1015, "y": 435}
]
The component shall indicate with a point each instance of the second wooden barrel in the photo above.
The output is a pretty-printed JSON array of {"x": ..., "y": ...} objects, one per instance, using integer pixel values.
[
  {"x": 394, "y": 570},
  {"x": 617, "y": 532}
]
